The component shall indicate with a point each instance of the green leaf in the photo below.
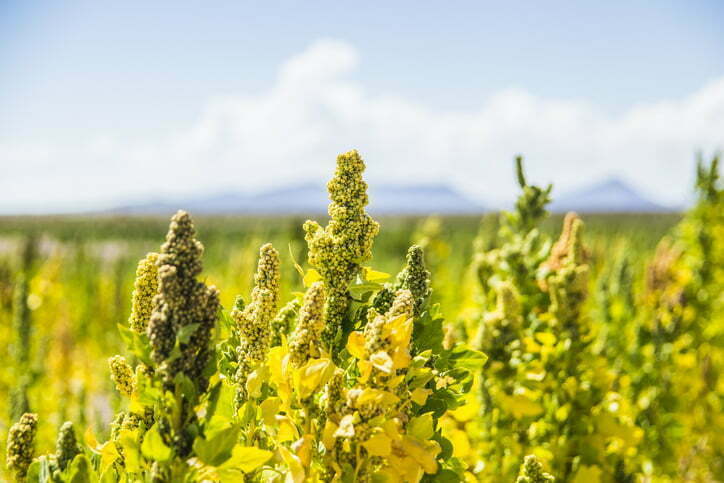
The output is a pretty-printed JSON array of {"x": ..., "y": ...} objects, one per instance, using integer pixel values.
[
  {"x": 217, "y": 449},
  {"x": 421, "y": 427},
  {"x": 185, "y": 386},
  {"x": 246, "y": 459},
  {"x": 184, "y": 333},
  {"x": 153, "y": 447},
  {"x": 80, "y": 470},
  {"x": 219, "y": 414},
  {"x": 145, "y": 392},
  {"x": 128, "y": 440},
  {"x": 359, "y": 290},
  {"x": 463, "y": 357},
  {"x": 428, "y": 334},
  {"x": 136, "y": 343}
]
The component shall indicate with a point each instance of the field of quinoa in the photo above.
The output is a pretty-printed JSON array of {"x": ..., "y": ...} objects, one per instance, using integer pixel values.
[{"x": 513, "y": 347}]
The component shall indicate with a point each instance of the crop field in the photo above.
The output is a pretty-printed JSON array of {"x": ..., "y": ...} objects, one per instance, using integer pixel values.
[{"x": 516, "y": 346}]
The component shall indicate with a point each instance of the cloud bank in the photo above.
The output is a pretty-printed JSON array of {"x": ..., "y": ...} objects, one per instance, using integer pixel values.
[{"x": 315, "y": 109}]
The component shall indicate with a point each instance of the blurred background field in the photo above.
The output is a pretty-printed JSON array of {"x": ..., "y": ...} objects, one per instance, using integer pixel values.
[{"x": 80, "y": 272}]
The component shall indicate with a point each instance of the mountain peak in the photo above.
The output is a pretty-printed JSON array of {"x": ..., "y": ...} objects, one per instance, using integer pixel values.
[{"x": 611, "y": 195}]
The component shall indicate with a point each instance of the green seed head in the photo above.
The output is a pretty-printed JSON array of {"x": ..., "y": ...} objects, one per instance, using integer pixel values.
[
  {"x": 21, "y": 445},
  {"x": 145, "y": 289}
]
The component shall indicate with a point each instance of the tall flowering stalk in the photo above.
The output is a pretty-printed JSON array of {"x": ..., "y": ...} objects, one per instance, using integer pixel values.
[
  {"x": 182, "y": 303},
  {"x": 338, "y": 250},
  {"x": 253, "y": 321},
  {"x": 22, "y": 331}
]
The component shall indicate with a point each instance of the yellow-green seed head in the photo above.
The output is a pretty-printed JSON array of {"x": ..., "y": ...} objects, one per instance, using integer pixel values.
[
  {"x": 144, "y": 290},
  {"x": 253, "y": 320},
  {"x": 122, "y": 375},
  {"x": 305, "y": 341},
  {"x": 415, "y": 277},
  {"x": 282, "y": 324},
  {"x": 532, "y": 472},
  {"x": 66, "y": 448},
  {"x": 182, "y": 300},
  {"x": 21, "y": 445},
  {"x": 338, "y": 250}
]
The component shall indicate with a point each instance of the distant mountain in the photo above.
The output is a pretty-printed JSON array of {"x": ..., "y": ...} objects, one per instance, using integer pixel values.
[
  {"x": 311, "y": 198},
  {"x": 610, "y": 196}
]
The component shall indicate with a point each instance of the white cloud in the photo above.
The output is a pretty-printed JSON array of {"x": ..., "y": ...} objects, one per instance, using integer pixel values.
[{"x": 315, "y": 110}]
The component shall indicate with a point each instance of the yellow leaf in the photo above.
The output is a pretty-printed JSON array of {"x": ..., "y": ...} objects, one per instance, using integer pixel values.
[
  {"x": 378, "y": 445},
  {"x": 90, "y": 440},
  {"x": 287, "y": 429},
  {"x": 109, "y": 454},
  {"x": 382, "y": 361},
  {"x": 310, "y": 277},
  {"x": 419, "y": 396},
  {"x": 356, "y": 344},
  {"x": 395, "y": 381},
  {"x": 296, "y": 472},
  {"x": 246, "y": 458},
  {"x": 401, "y": 358},
  {"x": 466, "y": 411},
  {"x": 421, "y": 427},
  {"x": 423, "y": 453},
  {"x": 253, "y": 384},
  {"x": 277, "y": 362},
  {"x": 311, "y": 375},
  {"x": 374, "y": 276},
  {"x": 135, "y": 405},
  {"x": 531, "y": 345},
  {"x": 376, "y": 396},
  {"x": 545, "y": 338},
  {"x": 400, "y": 331},
  {"x": 460, "y": 443},
  {"x": 328, "y": 434},
  {"x": 365, "y": 369},
  {"x": 392, "y": 429},
  {"x": 407, "y": 468},
  {"x": 303, "y": 449},
  {"x": 129, "y": 442},
  {"x": 521, "y": 406},
  {"x": 269, "y": 409},
  {"x": 588, "y": 474}
]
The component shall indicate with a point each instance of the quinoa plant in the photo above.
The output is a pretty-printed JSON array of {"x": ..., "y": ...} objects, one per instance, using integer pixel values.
[
  {"x": 338, "y": 250},
  {"x": 544, "y": 391}
]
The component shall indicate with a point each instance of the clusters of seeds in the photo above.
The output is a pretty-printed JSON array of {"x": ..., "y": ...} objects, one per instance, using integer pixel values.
[
  {"x": 21, "y": 445},
  {"x": 305, "y": 340},
  {"x": 337, "y": 250},
  {"x": 66, "y": 447},
  {"x": 182, "y": 301},
  {"x": 253, "y": 320},
  {"x": 282, "y": 324},
  {"x": 532, "y": 472},
  {"x": 122, "y": 375},
  {"x": 144, "y": 290}
]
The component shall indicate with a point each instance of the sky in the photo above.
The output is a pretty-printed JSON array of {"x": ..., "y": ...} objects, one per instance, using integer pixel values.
[{"x": 103, "y": 103}]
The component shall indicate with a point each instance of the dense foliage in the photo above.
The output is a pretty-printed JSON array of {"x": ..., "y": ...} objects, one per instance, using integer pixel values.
[{"x": 581, "y": 356}]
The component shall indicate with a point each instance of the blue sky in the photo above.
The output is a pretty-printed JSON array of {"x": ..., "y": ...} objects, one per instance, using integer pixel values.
[{"x": 94, "y": 96}]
